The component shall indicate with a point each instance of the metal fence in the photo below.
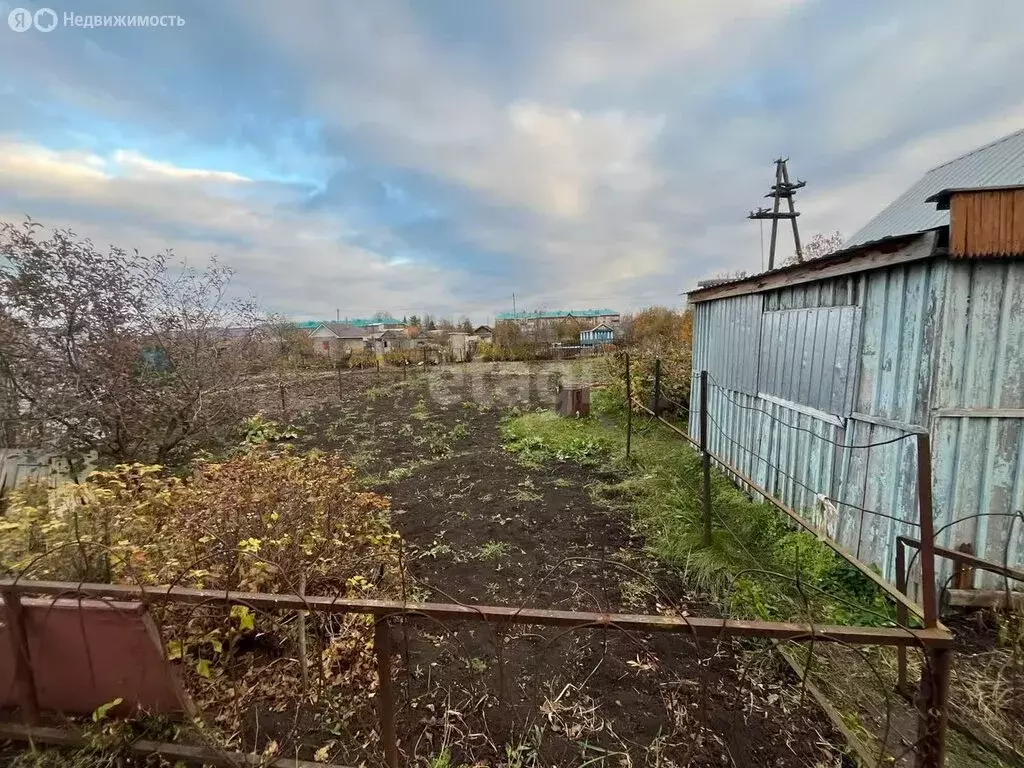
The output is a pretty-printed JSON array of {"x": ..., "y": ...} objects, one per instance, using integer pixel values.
[{"x": 388, "y": 617}]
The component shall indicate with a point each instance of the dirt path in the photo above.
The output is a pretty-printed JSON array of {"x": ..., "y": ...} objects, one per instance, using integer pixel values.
[{"x": 481, "y": 528}]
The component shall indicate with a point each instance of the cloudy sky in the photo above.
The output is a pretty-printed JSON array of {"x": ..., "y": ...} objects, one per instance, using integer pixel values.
[{"x": 441, "y": 155}]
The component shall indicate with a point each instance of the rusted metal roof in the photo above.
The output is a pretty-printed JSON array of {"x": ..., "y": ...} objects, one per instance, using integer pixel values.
[{"x": 999, "y": 164}]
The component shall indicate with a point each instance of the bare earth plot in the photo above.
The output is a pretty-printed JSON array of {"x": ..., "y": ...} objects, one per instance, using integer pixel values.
[{"x": 481, "y": 528}]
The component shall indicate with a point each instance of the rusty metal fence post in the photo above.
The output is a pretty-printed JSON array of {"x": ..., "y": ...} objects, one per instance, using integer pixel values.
[
  {"x": 705, "y": 456},
  {"x": 927, "y": 525},
  {"x": 388, "y": 733},
  {"x": 24, "y": 680},
  {"x": 934, "y": 689},
  {"x": 901, "y": 617},
  {"x": 629, "y": 409},
  {"x": 932, "y": 706}
]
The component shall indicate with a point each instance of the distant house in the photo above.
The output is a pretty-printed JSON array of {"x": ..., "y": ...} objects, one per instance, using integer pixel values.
[
  {"x": 483, "y": 332},
  {"x": 390, "y": 340},
  {"x": 337, "y": 340},
  {"x": 598, "y": 335}
]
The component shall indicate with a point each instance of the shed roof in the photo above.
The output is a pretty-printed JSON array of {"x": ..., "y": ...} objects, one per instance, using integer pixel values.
[
  {"x": 342, "y": 330},
  {"x": 999, "y": 164},
  {"x": 885, "y": 252},
  {"x": 388, "y": 333}
]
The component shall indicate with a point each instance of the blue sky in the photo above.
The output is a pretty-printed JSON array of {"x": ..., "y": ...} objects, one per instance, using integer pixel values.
[{"x": 440, "y": 155}]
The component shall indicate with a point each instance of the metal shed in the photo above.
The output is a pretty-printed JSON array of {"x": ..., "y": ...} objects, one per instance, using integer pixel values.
[{"x": 818, "y": 370}]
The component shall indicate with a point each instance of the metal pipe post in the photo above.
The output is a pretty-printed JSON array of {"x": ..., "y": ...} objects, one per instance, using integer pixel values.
[
  {"x": 629, "y": 409},
  {"x": 933, "y": 714},
  {"x": 927, "y": 524},
  {"x": 388, "y": 735},
  {"x": 705, "y": 455},
  {"x": 901, "y": 616},
  {"x": 24, "y": 680}
]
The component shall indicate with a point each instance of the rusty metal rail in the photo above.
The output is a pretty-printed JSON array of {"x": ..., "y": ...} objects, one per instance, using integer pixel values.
[
  {"x": 383, "y": 609},
  {"x": 966, "y": 558}
]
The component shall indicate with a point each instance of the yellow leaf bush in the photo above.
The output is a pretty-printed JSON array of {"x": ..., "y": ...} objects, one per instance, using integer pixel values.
[{"x": 260, "y": 521}]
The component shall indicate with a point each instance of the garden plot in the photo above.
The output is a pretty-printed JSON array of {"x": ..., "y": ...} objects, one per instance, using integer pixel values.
[{"x": 482, "y": 526}]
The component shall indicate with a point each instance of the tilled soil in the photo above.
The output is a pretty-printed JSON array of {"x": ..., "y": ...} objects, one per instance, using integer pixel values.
[{"x": 481, "y": 528}]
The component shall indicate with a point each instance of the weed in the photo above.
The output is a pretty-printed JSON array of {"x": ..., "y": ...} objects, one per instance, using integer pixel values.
[
  {"x": 538, "y": 437},
  {"x": 420, "y": 410},
  {"x": 443, "y": 759},
  {"x": 525, "y": 495},
  {"x": 258, "y": 429},
  {"x": 492, "y": 550},
  {"x": 477, "y": 666},
  {"x": 525, "y": 753},
  {"x": 439, "y": 548},
  {"x": 398, "y": 473}
]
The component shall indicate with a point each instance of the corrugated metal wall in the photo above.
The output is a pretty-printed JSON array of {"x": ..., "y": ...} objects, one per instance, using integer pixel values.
[
  {"x": 979, "y": 386},
  {"x": 727, "y": 337},
  {"x": 900, "y": 331},
  {"x": 809, "y": 356},
  {"x": 939, "y": 350}
]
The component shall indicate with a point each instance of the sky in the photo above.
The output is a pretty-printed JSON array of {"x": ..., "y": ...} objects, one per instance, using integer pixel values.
[{"x": 352, "y": 156}]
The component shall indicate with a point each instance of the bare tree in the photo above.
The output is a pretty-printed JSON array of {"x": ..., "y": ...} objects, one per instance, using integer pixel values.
[
  {"x": 822, "y": 245},
  {"x": 118, "y": 353}
]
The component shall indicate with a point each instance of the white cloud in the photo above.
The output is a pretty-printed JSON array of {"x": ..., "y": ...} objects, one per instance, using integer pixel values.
[
  {"x": 19, "y": 160},
  {"x": 135, "y": 164},
  {"x": 293, "y": 262},
  {"x": 612, "y": 43}
]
